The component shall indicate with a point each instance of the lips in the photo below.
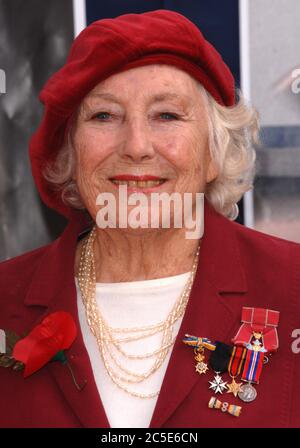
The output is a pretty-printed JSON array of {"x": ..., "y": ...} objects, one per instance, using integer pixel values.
[
  {"x": 137, "y": 178},
  {"x": 132, "y": 181}
]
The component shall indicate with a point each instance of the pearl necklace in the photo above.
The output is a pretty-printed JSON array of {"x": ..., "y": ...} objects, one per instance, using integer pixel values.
[{"x": 104, "y": 333}]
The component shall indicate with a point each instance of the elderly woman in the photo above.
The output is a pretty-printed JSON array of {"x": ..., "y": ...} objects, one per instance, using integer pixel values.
[{"x": 144, "y": 102}]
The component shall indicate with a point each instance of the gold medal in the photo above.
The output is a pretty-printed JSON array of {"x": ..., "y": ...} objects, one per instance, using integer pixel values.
[
  {"x": 234, "y": 388},
  {"x": 201, "y": 366},
  {"x": 199, "y": 344}
]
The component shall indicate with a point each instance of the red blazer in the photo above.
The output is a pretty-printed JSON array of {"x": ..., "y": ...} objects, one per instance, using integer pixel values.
[{"x": 237, "y": 267}]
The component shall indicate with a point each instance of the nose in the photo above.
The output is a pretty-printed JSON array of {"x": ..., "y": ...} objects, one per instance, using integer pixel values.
[{"x": 137, "y": 145}]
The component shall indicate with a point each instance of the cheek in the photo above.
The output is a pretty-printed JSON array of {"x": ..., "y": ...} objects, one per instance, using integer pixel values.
[
  {"x": 188, "y": 155},
  {"x": 91, "y": 151},
  {"x": 186, "y": 152}
]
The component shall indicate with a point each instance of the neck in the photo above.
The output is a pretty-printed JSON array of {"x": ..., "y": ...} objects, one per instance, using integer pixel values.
[{"x": 129, "y": 256}]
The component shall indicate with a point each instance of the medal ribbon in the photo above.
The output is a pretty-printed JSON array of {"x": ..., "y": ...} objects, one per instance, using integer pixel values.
[
  {"x": 219, "y": 359},
  {"x": 198, "y": 342},
  {"x": 253, "y": 366},
  {"x": 236, "y": 361},
  {"x": 262, "y": 321}
]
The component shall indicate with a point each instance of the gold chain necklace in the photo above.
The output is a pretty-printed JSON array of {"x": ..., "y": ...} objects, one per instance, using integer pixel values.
[{"x": 104, "y": 333}]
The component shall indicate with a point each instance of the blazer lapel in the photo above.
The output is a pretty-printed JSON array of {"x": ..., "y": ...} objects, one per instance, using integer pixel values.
[
  {"x": 53, "y": 288},
  {"x": 213, "y": 309}
]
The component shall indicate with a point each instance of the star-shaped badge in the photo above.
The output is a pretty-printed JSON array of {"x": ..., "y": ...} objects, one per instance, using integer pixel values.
[
  {"x": 234, "y": 388},
  {"x": 218, "y": 385},
  {"x": 201, "y": 367}
]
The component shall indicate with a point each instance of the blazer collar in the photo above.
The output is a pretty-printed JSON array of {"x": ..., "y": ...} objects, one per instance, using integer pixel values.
[
  {"x": 208, "y": 314},
  {"x": 221, "y": 252}
]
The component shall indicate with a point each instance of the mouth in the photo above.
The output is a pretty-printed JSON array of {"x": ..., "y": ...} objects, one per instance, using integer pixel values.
[{"x": 138, "y": 183}]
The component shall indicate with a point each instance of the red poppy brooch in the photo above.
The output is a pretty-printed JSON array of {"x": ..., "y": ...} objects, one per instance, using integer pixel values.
[{"x": 46, "y": 342}]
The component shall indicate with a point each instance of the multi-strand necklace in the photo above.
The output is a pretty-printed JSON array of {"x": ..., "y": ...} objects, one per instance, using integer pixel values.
[{"x": 104, "y": 334}]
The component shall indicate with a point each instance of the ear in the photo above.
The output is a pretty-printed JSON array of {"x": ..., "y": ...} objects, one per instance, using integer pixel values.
[{"x": 212, "y": 172}]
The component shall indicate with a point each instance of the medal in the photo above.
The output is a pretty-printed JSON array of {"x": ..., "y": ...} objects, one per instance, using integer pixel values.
[
  {"x": 218, "y": 385},
  {"x": 220, "y": 357},
  {"x": 258, "y": 333},
  {"x": 247, "y": 393},
  {"x": 234, "y": 388},
  {"x": 201, "y": 366},
  {"x": 253, "y": 366},
  {"x": 235, "y": 365},
  {"x": 199, "y": 344},
  {"x": 251, "y": 373},
  {"x": 260, "y": 323},
  {"x": 254, "y": 343},
  {"x": 219, "y": 361}
]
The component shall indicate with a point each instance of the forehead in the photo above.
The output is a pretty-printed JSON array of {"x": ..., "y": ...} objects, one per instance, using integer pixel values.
[{"x": 152, "y": 82}]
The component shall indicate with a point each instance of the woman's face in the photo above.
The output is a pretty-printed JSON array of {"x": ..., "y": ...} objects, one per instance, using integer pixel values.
[{"x": 146, "y": 121}]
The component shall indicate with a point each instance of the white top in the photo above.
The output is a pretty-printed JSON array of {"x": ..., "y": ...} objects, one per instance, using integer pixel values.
[{"x": 132, "y": 304}]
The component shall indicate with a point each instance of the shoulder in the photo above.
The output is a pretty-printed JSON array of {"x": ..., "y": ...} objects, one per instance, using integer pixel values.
[
  {"x": 16, "y": 275},
  {"x": 22, "y": 264},
  {"x": 256, "y": 243},
  {"x": 272, "y": 264},
  {"x": 34, "y": 274}
]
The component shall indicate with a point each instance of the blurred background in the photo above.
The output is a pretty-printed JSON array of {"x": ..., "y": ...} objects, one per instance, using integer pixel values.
[{"x": 258, "y": 39}]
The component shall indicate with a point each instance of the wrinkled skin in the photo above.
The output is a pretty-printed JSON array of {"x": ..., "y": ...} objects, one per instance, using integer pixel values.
[{"x": 139, "y": 132}]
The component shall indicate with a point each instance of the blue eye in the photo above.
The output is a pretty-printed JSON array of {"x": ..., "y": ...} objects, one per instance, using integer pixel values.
[
  {"x": 169, "y": 114},
  {"x": 99, "y": 116},
  {"x": 104, "y": 116}
]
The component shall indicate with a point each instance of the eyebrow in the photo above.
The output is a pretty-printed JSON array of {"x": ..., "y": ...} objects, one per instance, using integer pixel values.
[{"x": 158, "y": 97}]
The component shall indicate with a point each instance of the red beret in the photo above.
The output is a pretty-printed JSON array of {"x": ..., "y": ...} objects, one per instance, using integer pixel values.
[{"x": 109, "y": 46}]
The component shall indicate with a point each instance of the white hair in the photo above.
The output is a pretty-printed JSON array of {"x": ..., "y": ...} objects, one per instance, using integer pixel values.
[{"x": 233, "y": 131}]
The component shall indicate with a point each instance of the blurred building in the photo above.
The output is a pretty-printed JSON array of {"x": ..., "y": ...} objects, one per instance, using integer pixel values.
[{"x": 274, "y": 79}]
